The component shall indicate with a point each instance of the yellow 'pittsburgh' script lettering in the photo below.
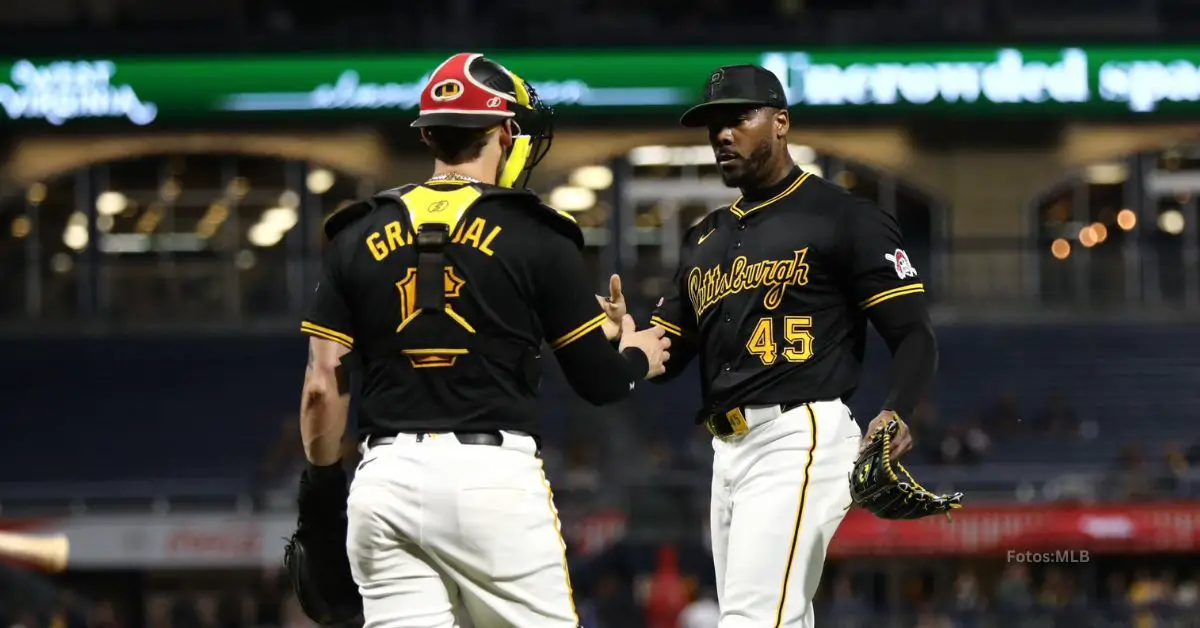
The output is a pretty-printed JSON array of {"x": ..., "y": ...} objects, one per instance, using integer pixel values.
[
  {"x": 477, "y": 234},
  {"x": 706, "y": 288}
]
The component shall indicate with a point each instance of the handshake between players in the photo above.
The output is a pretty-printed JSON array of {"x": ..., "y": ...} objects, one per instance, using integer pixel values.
[{"x": 651, "y": 341}]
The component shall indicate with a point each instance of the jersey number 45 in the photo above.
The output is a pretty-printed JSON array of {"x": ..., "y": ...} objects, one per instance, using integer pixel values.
[{"x": 797, "y": 340}]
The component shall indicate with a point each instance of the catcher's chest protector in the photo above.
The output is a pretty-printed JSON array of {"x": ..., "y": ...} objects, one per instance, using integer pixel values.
[{"x": 433, "y": 334}]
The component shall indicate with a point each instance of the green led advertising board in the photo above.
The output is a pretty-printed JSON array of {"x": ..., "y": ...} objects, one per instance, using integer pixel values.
[{"x": 968, "y": 81}]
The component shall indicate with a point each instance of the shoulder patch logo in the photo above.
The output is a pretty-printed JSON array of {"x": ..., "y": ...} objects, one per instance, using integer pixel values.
[{"x": 903, "y": 265}]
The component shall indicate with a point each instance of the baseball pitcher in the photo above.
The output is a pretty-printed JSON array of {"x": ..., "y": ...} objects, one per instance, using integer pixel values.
[{"x": 773, "y": 292}]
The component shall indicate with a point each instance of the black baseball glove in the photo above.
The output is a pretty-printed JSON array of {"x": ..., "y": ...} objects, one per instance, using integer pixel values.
[
  {"x": 884, "y": 487},
  {"x": 315, "y": 558}
]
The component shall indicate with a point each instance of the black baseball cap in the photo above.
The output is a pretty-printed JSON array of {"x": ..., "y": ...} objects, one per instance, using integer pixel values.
[{"x": 749, "y": 85}]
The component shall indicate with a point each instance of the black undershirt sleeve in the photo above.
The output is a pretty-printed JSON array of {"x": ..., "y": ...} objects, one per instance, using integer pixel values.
[
  {"x": 905, "y": 326},
  {"x": 572, "y": 323}
]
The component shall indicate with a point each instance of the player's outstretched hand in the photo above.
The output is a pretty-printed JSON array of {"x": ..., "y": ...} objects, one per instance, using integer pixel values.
[
  {"x": 902, "y": 442},
  {"x": 651, "y": 341},
  {"x": 614, "y": 307}
]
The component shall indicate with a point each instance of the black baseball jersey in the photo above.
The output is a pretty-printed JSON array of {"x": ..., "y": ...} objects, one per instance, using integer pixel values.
[
  {"x": 774, "y": 292},
  {"x": 513, "y": 276}
]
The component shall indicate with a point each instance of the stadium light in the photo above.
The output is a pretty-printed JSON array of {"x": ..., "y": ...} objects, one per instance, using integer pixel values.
[
  {"x": 75, "y": 236},
  {"x": 592, "y": 177},
  {"x": 1087, "y": 237},
  {"x": 111, "y": 203},
  {"x": 1171, "y": 221},
  {"x": 572, "y": 199},
  {"x": 289, "y": 199},
  {"x": 281, "y": 218},
  {"x": 1106, "y": 174},
  {"x": 21, "y": 226},
  {"x": 264, "y": 235},
  {"x": 319, "y": 181},
  {"x": 1126, "y": 219},
  {"x": 36, "y": 194}
]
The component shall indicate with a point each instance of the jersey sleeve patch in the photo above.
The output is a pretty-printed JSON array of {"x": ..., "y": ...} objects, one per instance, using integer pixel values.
[
  {"x": 901, "y": 262},
  {"x": 318, "y": 331}
]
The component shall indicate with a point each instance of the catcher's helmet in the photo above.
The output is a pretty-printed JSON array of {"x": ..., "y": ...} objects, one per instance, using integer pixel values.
[{"x": 472, "y": 91}]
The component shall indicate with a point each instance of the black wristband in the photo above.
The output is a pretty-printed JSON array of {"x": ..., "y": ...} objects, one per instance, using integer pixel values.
[
  {"x": 639, "y": 364},
  {"x": 323, "y": 491},
  {"x": 320, "y": 478}
]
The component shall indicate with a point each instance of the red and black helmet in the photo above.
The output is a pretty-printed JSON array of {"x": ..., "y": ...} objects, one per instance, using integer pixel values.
[
  {"x": 472, "y": 91},
  {"x": 468, "y": 90}
]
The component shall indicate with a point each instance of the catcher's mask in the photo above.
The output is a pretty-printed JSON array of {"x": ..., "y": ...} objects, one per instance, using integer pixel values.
[{"x": 470, "y": 90}]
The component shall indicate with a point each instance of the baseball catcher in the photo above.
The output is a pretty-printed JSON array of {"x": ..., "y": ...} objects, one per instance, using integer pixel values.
[
  {"x": 315, "y": 558},
  {"x": 884, "y": 487},
  {"x": 442, "y": 295}
]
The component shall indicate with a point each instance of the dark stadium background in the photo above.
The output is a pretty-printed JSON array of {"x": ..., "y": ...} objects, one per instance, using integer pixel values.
[{"x": 164, "y": 168}]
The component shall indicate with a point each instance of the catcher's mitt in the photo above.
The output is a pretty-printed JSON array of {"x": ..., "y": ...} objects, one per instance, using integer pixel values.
[
  {"x": 885, "y": 488},
  {"x": 315, "y": 557}
]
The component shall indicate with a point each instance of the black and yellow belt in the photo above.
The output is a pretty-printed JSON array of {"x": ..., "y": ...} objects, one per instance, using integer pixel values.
[{"x": 733, "y": 422}]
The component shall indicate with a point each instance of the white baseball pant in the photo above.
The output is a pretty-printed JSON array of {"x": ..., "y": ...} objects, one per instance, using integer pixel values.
[
  {"x": 447, "y": 535},
  {"x": 779, "y": 493}
]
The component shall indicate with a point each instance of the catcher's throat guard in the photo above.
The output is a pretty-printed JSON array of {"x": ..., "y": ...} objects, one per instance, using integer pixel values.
[{"x": 884, "y": 487}]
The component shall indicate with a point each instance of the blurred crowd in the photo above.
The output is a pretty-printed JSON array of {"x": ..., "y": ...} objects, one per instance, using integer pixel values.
[
  {"x": 968, "y": 596},
  {"x": 1137, "y": 472},
  {"x": 31, "y": 601},
  {"x": 1051, "y": 596}
]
